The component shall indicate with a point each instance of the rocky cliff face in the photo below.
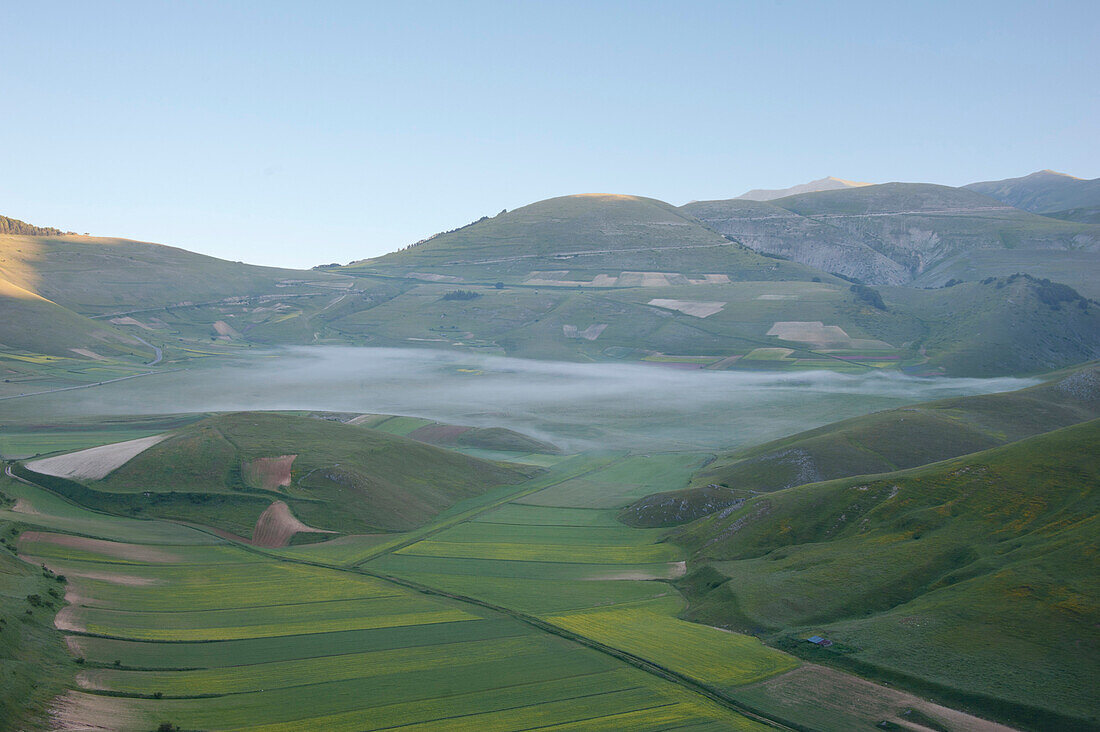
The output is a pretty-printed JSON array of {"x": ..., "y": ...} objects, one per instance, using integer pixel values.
[
  {"x": 768, "y": 228},
  {"x": 888, "y": 234}
]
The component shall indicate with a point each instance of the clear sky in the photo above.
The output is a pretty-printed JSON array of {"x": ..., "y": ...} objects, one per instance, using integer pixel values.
[{"x": 310, "y": 132}]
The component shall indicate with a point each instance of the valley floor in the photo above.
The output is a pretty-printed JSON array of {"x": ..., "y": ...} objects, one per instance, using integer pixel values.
[{"x": 529, "y": 607}]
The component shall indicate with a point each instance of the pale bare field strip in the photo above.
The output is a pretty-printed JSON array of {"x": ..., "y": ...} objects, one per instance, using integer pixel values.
[
  {"x": 225, "y": 329},
  {"x": 694, "y": 308},
  {"x": 818, "y": 334},
  {"x": 79, "y": 711},
  {"x": 590, "y": 333},
  {"x": 95, "y": 462},
  {"x": 130, "y": 321},
  {"x": 557, "y": 278},
  {"x": 674, "y": 570},
  {"x": 89, "y": 354}
]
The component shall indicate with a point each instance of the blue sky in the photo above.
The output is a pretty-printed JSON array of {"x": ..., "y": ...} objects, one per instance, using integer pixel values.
[{"x": 300, "y": 133}]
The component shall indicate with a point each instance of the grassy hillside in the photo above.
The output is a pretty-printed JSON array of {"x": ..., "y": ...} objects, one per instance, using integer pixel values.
[
  {"x": 892, "y": 233},
  {"x": 226, "y": 470},
  {"x": 586, "y": 235},
  {"x": 33, "y": 663},
  {"x": 56, "y": 289},
  {"x": 1010, "y": 325},
  {"x": 495, "y": 439},
  {"x": 93, "y": 275},
  {"x": 974, "y": 578},
  {"x": 1042, "y": 192},
  {"x": 1081, "y": 214},
  {"x": 877, "y": 443},
  {"x": 31, "y": 323}
]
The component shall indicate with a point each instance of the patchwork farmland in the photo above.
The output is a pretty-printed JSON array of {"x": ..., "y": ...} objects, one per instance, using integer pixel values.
[
  {"x": 527, "y": 607},
  {"x": 192, "y": 629}
]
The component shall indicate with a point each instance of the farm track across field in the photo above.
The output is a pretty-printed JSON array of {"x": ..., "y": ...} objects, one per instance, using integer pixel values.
[
  {"x": 88, "y": 386},
  {"x": 704, "y": 690}
]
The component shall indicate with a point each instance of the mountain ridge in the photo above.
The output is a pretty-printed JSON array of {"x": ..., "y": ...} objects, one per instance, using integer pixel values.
[
  {"x": 827, "y": 183},
  {"x": 1043, "y": 192}
]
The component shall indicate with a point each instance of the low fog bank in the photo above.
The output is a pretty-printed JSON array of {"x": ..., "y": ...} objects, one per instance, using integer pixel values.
[{"x": 577, "y": 406}]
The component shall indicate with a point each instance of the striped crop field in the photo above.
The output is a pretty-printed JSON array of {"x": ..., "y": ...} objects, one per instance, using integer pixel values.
[
  {"x": 710, "y": 655},
  {"x": 220, "y": 636}
]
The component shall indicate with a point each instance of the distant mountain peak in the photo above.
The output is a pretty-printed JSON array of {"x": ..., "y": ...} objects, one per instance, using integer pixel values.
[
  {"x": 1047, "y": 172},
  {"x": 829, "y": 183}
]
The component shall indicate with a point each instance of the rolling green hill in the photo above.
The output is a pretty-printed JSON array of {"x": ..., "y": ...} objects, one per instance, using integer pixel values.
[
  {"x": 30, "y": 323},
  {"x": 974, "y": 579},
  {"x": 1044, "y": 192},
  {"x": 588, "y": 277},
  {"x": 53, "y": 285},
  {"x": 93, "y": 275},
  {"x": 495, "y": 439},
  {"x": 896, "y": 232},
  {"x": 877, "y": 443},
  {"x": 1009, "y": 325},
  {"x": 226, "y": 470},
  {"x": 580, "y": 237},
  {"x": 34, "y": 666},
  {"x": 1082, "y": 214}
]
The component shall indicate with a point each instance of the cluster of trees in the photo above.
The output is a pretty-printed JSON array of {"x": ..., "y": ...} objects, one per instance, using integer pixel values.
[
  {"x": 434, "y": 236},
  {"x": 461, "y": 295},
  {"x": 22, "y": 228},
  {"x": 1051, "y": 294},
  {"x": 868, "y": 295}
]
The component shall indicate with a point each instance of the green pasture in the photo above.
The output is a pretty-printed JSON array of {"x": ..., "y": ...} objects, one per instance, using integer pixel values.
[
  {"x": 617, "y": 485},
  {"x": 270, "y": 620},
  {"x": 554, "y": 553},
  {"x": 401, "y": 564},
  {"x": 538, "y": 595},
  {"x": 485, "y": 695},
  {"x": 652, "y": 631},
  {"x": 20, "y": 445},
  {"x": 288, "y": 648},
  {"x": 522, "y": 514}
]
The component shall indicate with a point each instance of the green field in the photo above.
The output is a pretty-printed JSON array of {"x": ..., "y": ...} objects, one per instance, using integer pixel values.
[{"x": 248, "y": 630}]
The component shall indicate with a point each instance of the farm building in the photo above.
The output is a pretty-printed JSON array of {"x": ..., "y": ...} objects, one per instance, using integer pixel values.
[{"x": 817, "y": 640}]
